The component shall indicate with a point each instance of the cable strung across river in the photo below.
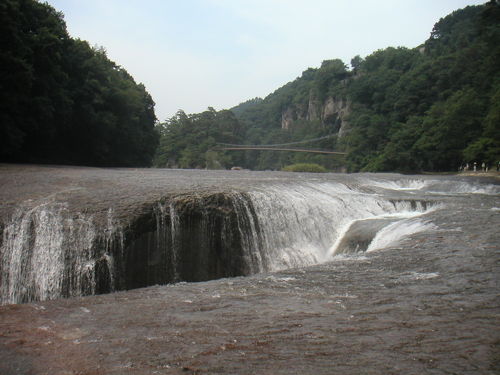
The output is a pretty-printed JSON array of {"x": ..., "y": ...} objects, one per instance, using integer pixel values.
[
  {"x": 314, "y": 151},
  {"x": 280, "y": 147},
  {"x": 281, "y": 144}
]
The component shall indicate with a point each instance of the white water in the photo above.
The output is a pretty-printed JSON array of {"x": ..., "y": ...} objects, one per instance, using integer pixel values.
[
  {"x": 386, "y": 233},
  {"x": 401, "y": 184},
  {"x": 247, "y": 227},
  {"x": 461, "y": 187},
  {"x": 300, "y": 224},
  {"x": 395, "y": 233},
  {"x": 34, "y": 262},
  {"x": 439, "y": 187}
]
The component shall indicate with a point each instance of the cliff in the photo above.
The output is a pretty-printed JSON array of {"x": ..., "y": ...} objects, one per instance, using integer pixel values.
[
  {"x": 332, "y": 113},
  {"x": 78, "y": 231}
]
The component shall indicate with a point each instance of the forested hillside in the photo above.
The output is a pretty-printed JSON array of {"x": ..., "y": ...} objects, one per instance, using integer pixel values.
[
  {"x": 431, "y": 108},
  {"x": 62, "y": 101}
]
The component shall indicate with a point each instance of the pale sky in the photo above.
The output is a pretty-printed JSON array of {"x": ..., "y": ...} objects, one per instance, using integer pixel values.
[{"x": 194, "y": 54}]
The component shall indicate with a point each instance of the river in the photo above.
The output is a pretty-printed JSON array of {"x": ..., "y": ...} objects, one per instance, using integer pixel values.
[{"x": 293, "y": 273}]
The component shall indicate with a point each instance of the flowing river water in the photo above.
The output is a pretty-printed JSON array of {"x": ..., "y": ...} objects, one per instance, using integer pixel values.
[{"x": 261, "y": 272}]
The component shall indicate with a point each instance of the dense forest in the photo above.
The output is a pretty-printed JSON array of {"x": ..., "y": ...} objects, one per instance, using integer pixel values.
[
  {"x": 431, "y": 108},
  {"x": 63, "y": 101}
]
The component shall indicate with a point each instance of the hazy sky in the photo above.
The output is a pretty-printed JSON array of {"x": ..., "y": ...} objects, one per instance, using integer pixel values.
[{"x": 192, "y": 54}]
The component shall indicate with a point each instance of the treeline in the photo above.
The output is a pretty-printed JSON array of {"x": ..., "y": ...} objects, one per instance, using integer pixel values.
[
  {"x": 190, "y": 141},
  {"x": 62, "y": 101},
  {"x": 431, "y": 108},
  {"x": 262, "y": 119}
]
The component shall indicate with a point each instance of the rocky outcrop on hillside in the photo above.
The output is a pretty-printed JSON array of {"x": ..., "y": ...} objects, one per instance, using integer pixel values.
[{"x": 332, "y": 113}]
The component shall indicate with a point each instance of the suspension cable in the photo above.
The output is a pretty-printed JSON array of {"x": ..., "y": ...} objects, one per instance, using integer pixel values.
[{"x": 280, "y": 144}]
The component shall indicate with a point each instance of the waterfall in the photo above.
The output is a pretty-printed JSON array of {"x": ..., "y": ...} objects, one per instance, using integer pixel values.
[
  {"x": 303, "y": 224},
  {"x": 49, "y": 251},
  {"x": 34, "y": 264}
]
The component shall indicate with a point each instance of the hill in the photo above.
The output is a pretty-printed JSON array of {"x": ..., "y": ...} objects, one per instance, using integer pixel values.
[{"x": 430, "y": 108}]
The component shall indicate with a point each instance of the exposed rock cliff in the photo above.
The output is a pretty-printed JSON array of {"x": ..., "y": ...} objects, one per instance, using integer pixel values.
[{"x": 332, "y": 112}]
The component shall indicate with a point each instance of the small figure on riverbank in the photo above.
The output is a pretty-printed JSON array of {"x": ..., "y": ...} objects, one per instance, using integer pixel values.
[
  {"x": 475, "y": 166},
  {"x": 483, "y": 167}
]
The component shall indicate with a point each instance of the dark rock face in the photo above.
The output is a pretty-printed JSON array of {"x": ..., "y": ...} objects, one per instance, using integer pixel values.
[{"x": 189, "y": 238}]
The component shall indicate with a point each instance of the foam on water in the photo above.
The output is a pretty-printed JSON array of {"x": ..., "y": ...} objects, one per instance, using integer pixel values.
[
  {"x": 46, "y": 254},
  {"x": 396, "y": 232},
  {"x": 462, "y": 187},
  {"x": 433, "y": 186},
  {"x": 400, "y": 184},
  {"x": 405, "y": 213}
]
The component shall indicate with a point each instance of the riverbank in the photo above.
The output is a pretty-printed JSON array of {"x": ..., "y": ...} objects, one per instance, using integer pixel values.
[{"x": 493, "y": 174}]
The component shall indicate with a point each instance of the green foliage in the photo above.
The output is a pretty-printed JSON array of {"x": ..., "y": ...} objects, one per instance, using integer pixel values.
[
  {"x": 305, "y": 167},
  {"x": 434, "y": 107},
  {"x": 191, "y": 141},
  {"x": 63, "y": 101},
  {"x": 261, "y": 119}
]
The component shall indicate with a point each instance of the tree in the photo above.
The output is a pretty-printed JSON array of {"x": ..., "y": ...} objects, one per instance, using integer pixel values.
[
  {"x": 62, "y": 101},
  {"x": 190, "y": 141},
  {"x": 356, "y": 62}
]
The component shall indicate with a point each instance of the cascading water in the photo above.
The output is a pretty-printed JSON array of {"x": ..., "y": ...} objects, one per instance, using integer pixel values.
[
  {"x": 395, "y": 232},
  {"x": 48, "y": 253},
  {"x": 35, "y": 263},
  {"x": 304, "y": 224}
]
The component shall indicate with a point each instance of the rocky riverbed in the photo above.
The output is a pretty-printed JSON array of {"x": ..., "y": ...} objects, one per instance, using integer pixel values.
[{"x": 427, "y": 303}]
